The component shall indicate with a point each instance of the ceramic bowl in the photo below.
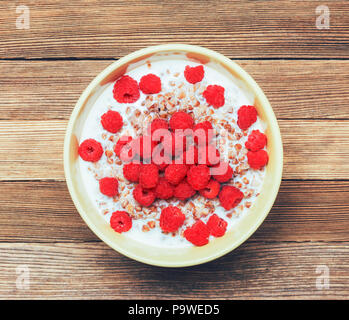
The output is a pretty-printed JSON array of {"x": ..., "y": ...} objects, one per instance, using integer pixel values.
[{"x": 176, "y": 257}]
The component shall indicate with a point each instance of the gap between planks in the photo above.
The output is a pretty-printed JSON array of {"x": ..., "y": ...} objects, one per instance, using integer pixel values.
[
  {"x": 112, "y": 59},
  {"x": 33, "y": 150},
  {"x": 234, "y": 28},
  {"x": 296, "y": 89},
  {"x": 303, "y": 211},
  {"x": 253, "y": 270}
]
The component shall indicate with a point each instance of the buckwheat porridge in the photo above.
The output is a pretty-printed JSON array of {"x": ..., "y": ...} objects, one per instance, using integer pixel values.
[{"x": 173, "y": 153}]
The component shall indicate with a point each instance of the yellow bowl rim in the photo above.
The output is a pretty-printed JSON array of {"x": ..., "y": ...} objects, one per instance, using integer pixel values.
[{"x": 214, "y": 56}]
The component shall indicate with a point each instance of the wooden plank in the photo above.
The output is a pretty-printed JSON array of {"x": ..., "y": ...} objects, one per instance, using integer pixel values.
[
  {"x": 308, "y": 211},
  {"x": 36, "y": 211},
  {"x": 282, "y": 28},
  {"x": 303, "y": 211},
  {"x": 31, "y": 150},
  {"x": 314, "y": 149},
  {"x": 254, "y": 270},
  {"x": 46, "y": 90}
]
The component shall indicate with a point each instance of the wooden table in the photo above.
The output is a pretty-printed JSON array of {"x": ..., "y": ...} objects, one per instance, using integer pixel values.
[{"x": 304, "y": 73}]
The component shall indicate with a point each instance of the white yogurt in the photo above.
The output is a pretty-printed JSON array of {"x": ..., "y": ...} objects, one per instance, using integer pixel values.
[{"x": 167, "y": 69}]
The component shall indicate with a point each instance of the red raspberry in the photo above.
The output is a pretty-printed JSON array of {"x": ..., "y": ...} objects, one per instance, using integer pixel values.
[
  {"x": 181, "y": 120},
  {"x": 145, "y": 197},
  {"x": 112, "y": 121},
  {"x": 199, "y": 176},
  {"x": 203, "y": 133},
  {"x": 175, "y": 173},
  {"x": 131, "y": 171},
  {"x": 258, "y": 159},
  {"x": 211, "y": 190},
  {"x": 197, "y": 234},
  {"x": 161, "y": 135},
  {"x": 109, "y": 186},
  {"x": 184, "y": 191},
  {"x": 126, "y": 90},
  {"x": 222, "y": 172},
  {"x": 149, "y": 176},
  {"x": 217, "y": 226},
  {"x": 150, "y": 83},
  {"x": 120, "y": 221},
  {"x": 164, "y": 190},
  {"x": 230, "y": 197},
  {"x": 157, "y": 124},
  {"x": 208, "y": 155},
  {"x": 256, "y": 141},
  {"x": 171, "y": 219},
  {"x": 175, "y": 143},
  {"x": 247, "y": 115},
  {"x": 124, "y": 141},
  {"x": 147, "y": 146},
  {"x": 190, "y": 156},
  {"x": 214, "y": 96},
  {"x": 90, "y": 150},
  {"x": 179, "y": 143},
  {"x": 143, "y": 146},
  {"x": 194, "y": 74},
  {"x": 161, "y": 159}
]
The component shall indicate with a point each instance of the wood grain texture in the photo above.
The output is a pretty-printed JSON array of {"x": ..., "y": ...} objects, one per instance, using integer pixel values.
[
  {"x": 308, "y": 224},
  {"x": 314, "y": 149},
  {"x": 252, "y": 271},
  {"x": 42, "y": 211},
  {"x": 90, "y": 29},
  {"x": 48, "y": 90},
  {"x": 31, "y": 150}
]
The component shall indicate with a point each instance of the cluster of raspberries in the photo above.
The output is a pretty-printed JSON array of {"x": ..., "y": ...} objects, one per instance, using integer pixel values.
[
  {"x": 175, "y": 159},
  {"x": 178, "y": 170},
  {"x": 184, "y": 169},
  {"x": 172, "y": 218},
  {"x": 127, "y": 89},
  {"x": 257, "y": 158}
]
